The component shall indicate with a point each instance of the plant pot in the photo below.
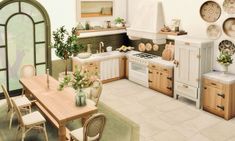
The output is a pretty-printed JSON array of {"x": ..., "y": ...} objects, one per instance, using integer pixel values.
[
  {"x": 119, "y": 25},
  {"x": 80, "y": 98},
  {"x": 224, "y": 68}
]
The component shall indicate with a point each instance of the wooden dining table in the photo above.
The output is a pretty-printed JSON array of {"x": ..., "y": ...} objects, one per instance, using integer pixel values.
[{"x": 58, "y": 106}]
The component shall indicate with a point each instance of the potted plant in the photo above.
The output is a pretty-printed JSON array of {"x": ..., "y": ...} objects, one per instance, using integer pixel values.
[
  {"x": 79, "y": 80},
  {"x": 65, "y": 44},
  {"x": 120, "y": 22},
  {"x": 225, "y": 59}
]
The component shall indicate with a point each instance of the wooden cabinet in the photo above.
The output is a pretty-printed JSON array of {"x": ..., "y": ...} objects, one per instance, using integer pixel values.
[
  {"x": 218, "y": 98},
  {"x": 161, "y": 79},
  {"x": 193, "y": 57},
  {"x": 92, "y": 67},
  {"x": 122, "y": 67}
]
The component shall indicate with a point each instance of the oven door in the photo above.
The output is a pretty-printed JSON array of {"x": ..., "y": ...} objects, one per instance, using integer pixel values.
[{"x": 138, "y": 73}]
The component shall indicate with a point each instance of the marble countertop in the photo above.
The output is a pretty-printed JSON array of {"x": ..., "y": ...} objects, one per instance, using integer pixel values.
[
  {"x": 116, "y": 54},
  {"x": 219, "y": 76}
]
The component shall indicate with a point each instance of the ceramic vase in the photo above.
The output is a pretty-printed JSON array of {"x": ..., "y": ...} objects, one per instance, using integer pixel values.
[
  {"x": 80, "y": 98},
  {"x": 224, "y": 68}
]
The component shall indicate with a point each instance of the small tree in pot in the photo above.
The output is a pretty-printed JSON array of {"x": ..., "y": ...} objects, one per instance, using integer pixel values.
[{"x": 65, "y": 43}]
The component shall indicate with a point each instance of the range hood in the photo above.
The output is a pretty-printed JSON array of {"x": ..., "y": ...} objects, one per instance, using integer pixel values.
[{"x": 148, "y": 22}]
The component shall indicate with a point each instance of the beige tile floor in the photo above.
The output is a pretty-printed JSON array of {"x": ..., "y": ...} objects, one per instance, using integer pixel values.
[{"x": 162, "y": 118}]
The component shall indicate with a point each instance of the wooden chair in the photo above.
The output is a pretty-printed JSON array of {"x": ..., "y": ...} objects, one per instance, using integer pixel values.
[
  {"x": 27, "y": 71},
  {"x": 92, "y": 129},
  {"x": 22, "y": 102},
  {"x": 30, "y": 121},
  {"x": 95, "y": 92}
]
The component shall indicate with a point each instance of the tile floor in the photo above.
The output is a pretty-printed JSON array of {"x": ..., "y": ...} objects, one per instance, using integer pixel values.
[{"x": 162, "y": 118}]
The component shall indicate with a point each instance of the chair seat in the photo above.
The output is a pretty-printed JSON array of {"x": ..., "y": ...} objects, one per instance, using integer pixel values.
[
  {"x": 22, "y": 101},
  {"x": 78, "y": 135},
  {"x": 33, "y": 119}
]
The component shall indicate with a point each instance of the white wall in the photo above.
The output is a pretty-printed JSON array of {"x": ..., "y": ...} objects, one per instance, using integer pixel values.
[
  {"x": 188, "y": 12},
  {"x": 63, "y": 12}
]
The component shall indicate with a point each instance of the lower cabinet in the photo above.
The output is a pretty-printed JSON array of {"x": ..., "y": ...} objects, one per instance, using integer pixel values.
[
  {"x": 92, "y": 67},
  {"x": 218, "y": 98},
  {"x": 161, "y": 79}
]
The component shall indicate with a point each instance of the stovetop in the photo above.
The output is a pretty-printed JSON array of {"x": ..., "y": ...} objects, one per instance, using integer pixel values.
[{"x": 145, "y": 55}]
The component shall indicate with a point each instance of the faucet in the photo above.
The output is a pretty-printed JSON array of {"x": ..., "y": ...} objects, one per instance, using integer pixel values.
[{"x": 101, "y": 44}]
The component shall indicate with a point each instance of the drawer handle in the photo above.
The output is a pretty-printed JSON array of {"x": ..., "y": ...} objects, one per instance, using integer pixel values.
[
  {"x": 221, "y": 107},
  {"x": 150, "y": 81},
  {"x": 221, "y": 95},
  {"x": 154, "y": 66},
  {"x": 160, "y": 73},
  {"x": 169, "y": 88},
  {"x": 150, "y": 72},
  {"x": 169, "y": 78},
  {"x": 205, "y": 88},
  {"x": 213, "y": 84},
  {"x": 187, "y": 43},
  {"x": 165, "y": 69},
  {"x": 185, "y": 86}
]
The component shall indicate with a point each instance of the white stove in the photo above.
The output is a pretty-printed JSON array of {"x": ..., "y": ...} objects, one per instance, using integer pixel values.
[{"x": 138, "y": 68}]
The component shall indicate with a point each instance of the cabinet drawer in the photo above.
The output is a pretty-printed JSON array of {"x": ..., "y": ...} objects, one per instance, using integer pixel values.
[
  {"x": 186, "y": 90},
  {"x": 153, "y": 66},
  {"x": 213, "y": 83}
]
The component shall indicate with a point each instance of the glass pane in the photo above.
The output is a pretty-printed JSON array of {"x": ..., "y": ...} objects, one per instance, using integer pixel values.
[
  {"x": 40, "y": 53},
  {"x": 2, "y": 79},
  {"x": 40, "y": 32},
  {"x": 20, "y": 48},
  {"x": 7, "y": 11},
  {"x": 2, "y": 58},
  {"x": 41, "y": 69},
  {"x": 32, "y": 11},
  {"x": 2, "y": 35}
]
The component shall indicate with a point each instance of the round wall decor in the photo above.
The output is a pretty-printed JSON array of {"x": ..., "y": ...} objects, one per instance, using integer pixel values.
[
  {"x": 229, "y": 27},
  {"x": 227, "y": 46},
  {"x": 141, "y": 47},
  {"x": 213, "y": 31},
  {"x": 155, "y": 47},
  {"x": 149, "y": 47},
  {"x": 229, "y": 6},
  {"x": 210, "y": 11}
]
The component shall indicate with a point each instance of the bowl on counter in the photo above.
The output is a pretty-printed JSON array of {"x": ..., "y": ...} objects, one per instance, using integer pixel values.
[{"x": 84, "y": 55}]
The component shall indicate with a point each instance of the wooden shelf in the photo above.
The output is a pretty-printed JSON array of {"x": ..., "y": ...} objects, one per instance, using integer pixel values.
[
  {"x": 102, "y": 29},
  {"x": 173, "y": 33}
]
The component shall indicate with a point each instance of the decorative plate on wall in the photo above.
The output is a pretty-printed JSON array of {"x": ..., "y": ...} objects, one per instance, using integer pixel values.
[
  {"x": 155, "y": 47},
  {"x": 210, "y": 11},
  {"x": 141, "y": 47},
  {"x": 227, "y": 45},
  {"x": 213, "y": 31},
  {"x": 229, "y": 6},
  {"x": 229, "y": 27},
  {"x": 149, "y": 47}
]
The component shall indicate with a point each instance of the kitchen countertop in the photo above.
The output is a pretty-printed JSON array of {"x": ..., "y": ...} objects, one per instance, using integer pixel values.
[
  {"x": 219, "y": 76},
  {"x": 116, "y": 54}
]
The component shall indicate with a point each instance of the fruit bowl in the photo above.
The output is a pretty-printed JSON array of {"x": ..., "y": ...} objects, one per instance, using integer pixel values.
[{"x": 84, "y": 55}]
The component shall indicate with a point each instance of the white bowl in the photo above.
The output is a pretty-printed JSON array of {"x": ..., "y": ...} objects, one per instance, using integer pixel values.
[{"x": 84, "y": 55}]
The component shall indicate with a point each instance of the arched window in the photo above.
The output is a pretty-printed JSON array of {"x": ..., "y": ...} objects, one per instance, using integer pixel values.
[{"x": 24, "y": 39}]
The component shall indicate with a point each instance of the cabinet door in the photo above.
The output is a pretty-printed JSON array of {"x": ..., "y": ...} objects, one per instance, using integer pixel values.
[
  {"x": 187, "y": 70},
  {"x": 122, "y": 68},
  {"x": 209, "y": 98},
  {"x": 165, "y": 84},
  {"x": 154, "y": 79}
]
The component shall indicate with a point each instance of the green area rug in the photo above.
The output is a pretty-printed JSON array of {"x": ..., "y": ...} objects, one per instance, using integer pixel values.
[{"x": 118, "y": 127}]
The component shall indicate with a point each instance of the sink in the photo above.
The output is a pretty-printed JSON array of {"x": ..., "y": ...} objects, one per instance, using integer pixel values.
[{"x": 103, "y": 54}]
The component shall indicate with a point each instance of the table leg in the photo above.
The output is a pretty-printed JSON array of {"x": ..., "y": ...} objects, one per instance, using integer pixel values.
[{"x": 62, "y": 133}]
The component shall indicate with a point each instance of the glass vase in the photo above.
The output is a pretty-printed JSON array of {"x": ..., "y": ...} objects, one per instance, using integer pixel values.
[{"x": 80, "y": 98}]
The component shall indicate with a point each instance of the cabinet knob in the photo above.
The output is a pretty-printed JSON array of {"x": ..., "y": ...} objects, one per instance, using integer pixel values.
[
  {"x": 160, "y": 73},
  {"x": 213, "y": 84},
  {"x": 205, "y": 88},
  {"x": 169, "y": 88},
  {"x": 150, "y": 72},
  {"x": 221, "y": 95},
  {"x": 221, "y": 107},
  {"x": 150, "y": 81},
  {"x": 169, "y": 78},
  {"x": 176, "y": 63}
]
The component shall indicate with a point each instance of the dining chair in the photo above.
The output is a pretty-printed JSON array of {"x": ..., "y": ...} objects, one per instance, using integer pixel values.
[
  {"x": 92, "y": 129},
  {"x": 27, "y": 71},
  {"x": 95, "y": 92},
  {"x": 22, "y": 102},
  {"x": 30, "y": 121}
]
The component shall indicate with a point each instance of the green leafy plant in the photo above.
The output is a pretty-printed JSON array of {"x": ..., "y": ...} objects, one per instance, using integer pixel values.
[
  {"x": 225, "y": 58},
  {"x": 65, "y": 44},
  {"x": 119, "y": 20},
  {"x": 80, "y": 79},
  {"x": 77, "y": 49}
]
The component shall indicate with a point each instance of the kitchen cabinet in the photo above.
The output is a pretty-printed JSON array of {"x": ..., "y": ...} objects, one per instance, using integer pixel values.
[
  {"x": 193, "y": 57},
  {"x": 127, "y": 68},
  {"x": 161, "y": 79},
  {"x": 122, "y": 68},
  {"x": 218, "y": 95}
]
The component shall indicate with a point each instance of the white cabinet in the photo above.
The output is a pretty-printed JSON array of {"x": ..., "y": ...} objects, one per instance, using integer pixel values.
[
  {"x": 109, "y": 69},
  {"x": 193, "y": 57}
]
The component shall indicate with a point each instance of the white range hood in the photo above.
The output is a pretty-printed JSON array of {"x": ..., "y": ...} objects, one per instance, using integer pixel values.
[{"x": 148, "y": 22}]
